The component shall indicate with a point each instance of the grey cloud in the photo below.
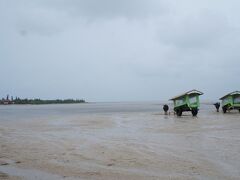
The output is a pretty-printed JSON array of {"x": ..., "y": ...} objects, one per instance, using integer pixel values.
[
  {"x": 118, "y": 50},
  {"x": 95, "y": 9},
  {"x": 197, "y": 30}
]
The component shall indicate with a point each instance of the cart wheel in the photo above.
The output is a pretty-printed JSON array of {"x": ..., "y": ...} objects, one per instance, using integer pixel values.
[
  {"x": 194, "y": 112},
  {"x": 179, "y": 112},
  {"x": 224, "y": 109}
]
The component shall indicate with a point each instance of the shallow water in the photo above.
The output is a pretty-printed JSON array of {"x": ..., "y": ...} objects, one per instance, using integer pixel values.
[{"x": 118, "y": 141}]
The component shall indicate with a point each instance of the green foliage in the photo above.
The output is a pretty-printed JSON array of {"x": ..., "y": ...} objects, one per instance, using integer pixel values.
[{"x": 17, "y": 100}]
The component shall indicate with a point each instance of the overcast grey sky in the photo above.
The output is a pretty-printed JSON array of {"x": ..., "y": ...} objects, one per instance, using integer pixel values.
[{"x": 119, "y": 50}]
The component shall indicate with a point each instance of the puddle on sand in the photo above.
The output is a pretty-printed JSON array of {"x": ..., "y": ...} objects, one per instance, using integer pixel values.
[
  {"x": 28, "y": 174},
  {"x": 3, "y": 175}
]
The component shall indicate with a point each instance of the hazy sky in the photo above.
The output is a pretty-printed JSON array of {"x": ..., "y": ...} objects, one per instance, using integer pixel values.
[{"x": 119, "y": 50}]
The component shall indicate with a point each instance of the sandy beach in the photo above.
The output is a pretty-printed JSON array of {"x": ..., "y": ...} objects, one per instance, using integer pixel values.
[{"x": 122, "y": 141}]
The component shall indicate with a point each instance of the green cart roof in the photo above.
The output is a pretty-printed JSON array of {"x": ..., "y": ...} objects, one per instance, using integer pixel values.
[
  {"x": 230, "y": 94},
  {"x": 194, "y": 91}
]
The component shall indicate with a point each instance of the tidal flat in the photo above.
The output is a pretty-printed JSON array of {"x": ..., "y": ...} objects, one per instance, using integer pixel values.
[{"x": 102, "y": 141}]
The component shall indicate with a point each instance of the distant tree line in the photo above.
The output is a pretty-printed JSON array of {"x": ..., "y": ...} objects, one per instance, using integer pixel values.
[{"x": 17, "y": 100}]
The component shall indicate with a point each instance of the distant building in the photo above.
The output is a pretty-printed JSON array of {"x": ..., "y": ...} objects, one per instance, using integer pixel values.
[{"x": 7, "y": 101}]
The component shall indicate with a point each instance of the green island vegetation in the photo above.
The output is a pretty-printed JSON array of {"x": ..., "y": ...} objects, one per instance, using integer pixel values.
[{"x": 37, "y": 101}]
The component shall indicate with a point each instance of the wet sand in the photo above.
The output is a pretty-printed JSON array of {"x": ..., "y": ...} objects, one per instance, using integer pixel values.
[{"x": 131, "y": 141}]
